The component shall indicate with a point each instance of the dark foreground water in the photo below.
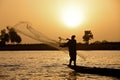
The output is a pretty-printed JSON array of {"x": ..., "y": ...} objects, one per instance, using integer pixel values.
[{"x": 52, "y": 65}]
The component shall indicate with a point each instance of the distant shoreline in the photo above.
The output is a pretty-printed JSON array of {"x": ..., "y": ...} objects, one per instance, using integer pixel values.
[{"x": 22, "y": 47}]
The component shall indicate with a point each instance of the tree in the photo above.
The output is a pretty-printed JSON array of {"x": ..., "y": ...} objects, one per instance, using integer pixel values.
[
  {"x": 4, "y": 37},
  {"x": 14, "y": 37},
  {"x": 87, "y": 36}
]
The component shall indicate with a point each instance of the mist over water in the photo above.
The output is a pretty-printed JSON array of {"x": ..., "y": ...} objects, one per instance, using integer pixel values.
[{"x": 52, "y": 65}]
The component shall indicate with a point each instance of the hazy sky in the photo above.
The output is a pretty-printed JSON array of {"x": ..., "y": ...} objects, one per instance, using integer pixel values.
[{"x": 63, "y": 18}]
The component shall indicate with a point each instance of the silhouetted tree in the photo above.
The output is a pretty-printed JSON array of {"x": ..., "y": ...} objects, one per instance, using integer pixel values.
[
  {"x": 14, "y": 37},
  {"x": 4, "y": 37},
  {"x": 97, "y": 42},
  {"x": 87, "y": 36},
  {"x": 104, "y": 41}
]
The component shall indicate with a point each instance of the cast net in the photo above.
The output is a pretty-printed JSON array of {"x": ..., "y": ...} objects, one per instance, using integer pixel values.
[{"x": 26, "y": 29}]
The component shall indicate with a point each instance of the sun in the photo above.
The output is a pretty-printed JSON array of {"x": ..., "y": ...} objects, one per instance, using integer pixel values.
[{"x": 72, "y": 16}]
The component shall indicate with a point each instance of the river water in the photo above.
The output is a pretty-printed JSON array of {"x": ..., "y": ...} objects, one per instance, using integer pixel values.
[{"x": 52, "y": 65}]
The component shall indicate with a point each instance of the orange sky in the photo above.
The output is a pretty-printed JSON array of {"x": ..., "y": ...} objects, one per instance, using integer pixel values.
[{"x": 102, "y": 17}]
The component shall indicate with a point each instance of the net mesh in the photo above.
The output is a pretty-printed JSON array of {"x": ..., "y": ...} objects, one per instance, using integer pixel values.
[{"x": 26, "y": 29}]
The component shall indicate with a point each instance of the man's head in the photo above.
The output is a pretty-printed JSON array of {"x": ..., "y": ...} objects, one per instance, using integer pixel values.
[{"x": 73, "y": 37}]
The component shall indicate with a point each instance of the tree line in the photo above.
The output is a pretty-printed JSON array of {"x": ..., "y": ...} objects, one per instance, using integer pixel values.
[{"x": 9, "y": 34}]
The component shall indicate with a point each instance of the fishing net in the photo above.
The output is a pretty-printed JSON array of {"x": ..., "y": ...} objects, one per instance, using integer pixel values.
[{"x": 26, "y": 29}]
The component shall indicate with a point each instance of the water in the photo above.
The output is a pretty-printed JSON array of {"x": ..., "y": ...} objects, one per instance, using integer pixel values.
[{"x": 52, "y": 65}]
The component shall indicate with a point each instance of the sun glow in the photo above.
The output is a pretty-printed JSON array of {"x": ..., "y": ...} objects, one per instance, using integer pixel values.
[{"x": 72, "y": 16}]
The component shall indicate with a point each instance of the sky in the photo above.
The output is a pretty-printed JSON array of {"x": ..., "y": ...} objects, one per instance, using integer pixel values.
[{"x": 64, "y": 18}]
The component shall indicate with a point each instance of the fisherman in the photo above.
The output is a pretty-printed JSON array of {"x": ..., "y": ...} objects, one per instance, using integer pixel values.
[{"x": 72, "y": 50}]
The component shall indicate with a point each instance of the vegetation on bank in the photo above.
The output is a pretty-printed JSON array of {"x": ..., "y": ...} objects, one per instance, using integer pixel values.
[
  {"x": 10, "y": 35},
  {"x": 80, "y": 46},
  {"x": 11, "y": 47}
]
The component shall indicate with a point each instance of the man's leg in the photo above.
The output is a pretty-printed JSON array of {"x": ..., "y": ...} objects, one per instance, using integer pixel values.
[
  {"x": 70, "y": 61},
  {"x": 75, "y": 62}
]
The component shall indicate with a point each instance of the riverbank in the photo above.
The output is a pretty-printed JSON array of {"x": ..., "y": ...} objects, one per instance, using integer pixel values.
[{"x": 11, "y": 47}]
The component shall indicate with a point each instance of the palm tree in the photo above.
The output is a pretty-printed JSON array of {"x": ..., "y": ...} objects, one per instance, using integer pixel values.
[{"x": 87, "y": 36}]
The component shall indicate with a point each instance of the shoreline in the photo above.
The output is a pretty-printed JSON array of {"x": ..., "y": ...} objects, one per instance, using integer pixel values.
[{"x": 23, "y": 47}]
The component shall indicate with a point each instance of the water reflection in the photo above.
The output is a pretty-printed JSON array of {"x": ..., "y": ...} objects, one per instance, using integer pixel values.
[
  {"x": 52, "y": 65},
  {"x": 72, "y": 75}
]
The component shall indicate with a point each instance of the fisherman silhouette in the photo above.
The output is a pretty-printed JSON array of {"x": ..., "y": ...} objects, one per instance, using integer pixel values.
[{"x": 72, "y": 50}]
